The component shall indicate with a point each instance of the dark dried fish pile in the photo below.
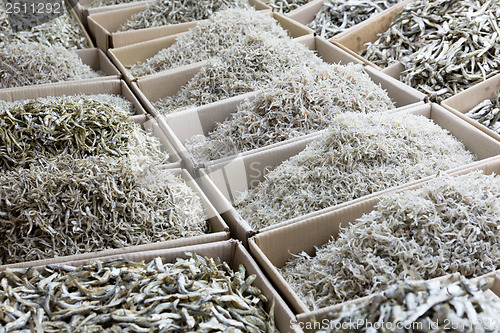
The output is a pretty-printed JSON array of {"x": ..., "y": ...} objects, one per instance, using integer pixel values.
[
  {"x": 296, "y": 104},
  {"x": 450, "y": 225},
  {"x": 445, "y": 46},
  {"x": 69, "y": 206},
  {"x": 336, "y": 16},
  {"x": 164, "y": 12},
  {"x": 358, "y": 155},
  {"x": 487, "y": 113},
  {"x": 286, "y": 6},
  {"x": 103, "y": 3},
  {"x": 423, "y": 306},
  {"x": 197, "y": 294},
  {"x": 208, "y": 38},
  {"x": 82, "y": 126},
  {"x": 33, "y": 63}
]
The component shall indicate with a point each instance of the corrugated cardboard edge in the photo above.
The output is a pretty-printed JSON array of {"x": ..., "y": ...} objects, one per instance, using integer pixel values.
[
  {"x": 98, "y": 61},
  {"x": 305, "y": 14}
]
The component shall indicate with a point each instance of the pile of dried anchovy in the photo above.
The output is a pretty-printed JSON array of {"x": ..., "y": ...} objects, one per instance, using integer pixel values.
[
  {"x": 33, "y": 63},
  {"x": 103, "y": 3},
  {"x": 240, "y": 69},
  {"x": 164, "y": 12},
  {"x": 82, "y": 126},
  {"x": 296, "y": 104},
  {"x": 336, "y": 16},
  {"x": 68, "y": 206},
  {"x": 445, "y": 46},
  {"x": 197, "y": 294},
  {"x": 208, "y": 38},
  {"x": 424, "y": 306},
  {"x": 449, "y": 225},
  {"x": 285, "y": 6},
  {"x": 487, "y": 113},
  {"x": 358, "y": 155}
]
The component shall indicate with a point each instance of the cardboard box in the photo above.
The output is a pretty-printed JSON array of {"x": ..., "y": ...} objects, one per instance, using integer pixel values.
[
  {"x": 74, "y": 14},
  {"x": 98, "y": 61},
  {"x": 273, "y": 248},
  {"x": 103, "y": 26},
  {"x": 126, "y": 56},
  {"x": 230, "y": 178},
  {"x": 230, "y": 251},
  {"x": 463, "y": 102}
]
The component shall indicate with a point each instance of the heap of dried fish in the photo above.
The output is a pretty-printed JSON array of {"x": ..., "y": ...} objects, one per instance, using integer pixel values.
[
  {"x": 423, "y": 306},
  {"x": 487, "y": 113},
  {"x": 68, "y": 206},
  {"x": 164, "y": 12},
  {"x": 103, "y": 3},
  {"x": 445, "y": 46},
  {"x": 208, "y": 38},
  {"x": 296, "y": 104},
  {"x": 33, "y": 63},
  {"x": 198, "y": 294},
  {"x": 82, "y": 126},
  {"x": 449, "y": 225},
  {"x": 358, "y": 155},
  {"x": 286, "y": 6},
  {"x": 336, "y": 16}
]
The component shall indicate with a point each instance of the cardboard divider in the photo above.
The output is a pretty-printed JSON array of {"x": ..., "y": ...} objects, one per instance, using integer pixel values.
[
  {"x": 73, "y": 13},
  {"x": 305, "y": 14},
  {"x": 274, "y": 247},
  {"x": 98, "y": 61},
  {"x": 103, "y": 26},
  {"x": 463, "y": 102}
]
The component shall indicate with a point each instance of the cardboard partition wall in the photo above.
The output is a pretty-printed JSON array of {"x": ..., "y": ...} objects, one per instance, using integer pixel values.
[
  {"x": 273, "y": 248},
  {"x": 83, "y": 10},
  {"x": 465, "y": 101},
  {"x": 232, "y": 252},
  {"x": 307, "y": 13},
  {"x": 98, "y": 61},
  {"x": 73, "y": 12}
]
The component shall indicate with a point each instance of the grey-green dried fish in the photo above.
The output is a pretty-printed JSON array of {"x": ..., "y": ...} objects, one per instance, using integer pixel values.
[
  {"x": 286, "y": 6},
  {"x": 67, "y": 206},
  {"x": 298, "y": 103},
  {"x": 80, "y": 125},
  {"x": 487, "y": 113},
  {"x": 336, "y": 16},
  {"x": 423, "y": 306},
  {"x": 358, "y": 155},
  {"x": 224, "y": 29},
  {"x": 449, "y": 225},
  {"x": 445, "y": 46},
  {"x": 198, "y": 294},
  {"x": 33, "y": 63},
  {"x": 164, "y": 12},
  {"x": 103, "y": 3}
]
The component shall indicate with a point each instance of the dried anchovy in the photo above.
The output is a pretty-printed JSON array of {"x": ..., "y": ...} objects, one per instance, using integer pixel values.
[
  {"x": 296, "y": 104},
  {"x": 103, "y": 3},
  {"x": 336, "y": 16},
  {"x": 68, "y": 206},
  {"x": 450, "y": 225},
  {"x": 224, "y": 29},
  {"x": 164, "y": 12},
  {"x": 33, "y": 63},
  {"x": 487, "y": 113},
  {"x": 82, "y": 126},
  {"x": 445, "y": 46},
  {"x": 198, "y": 294},
  {"x": 286, "y": 6},
  {"x": 358, "y": 155},
  {"x": 424, "y": 306},
  {"x": 240, "y": 69}
]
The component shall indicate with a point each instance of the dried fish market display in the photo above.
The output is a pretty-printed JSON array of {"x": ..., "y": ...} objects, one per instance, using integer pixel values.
[
  {"x": 286, "y": 6},
  {"x": 66, "y": 206},
  {"x": 198, "y": 294},
  {"x": 208, "y": 38},
  {"x": 24, "y": 64},
  {"x": 445, "y": 46},
  {"x": 487, "y": 113},
  {"x": 358, "y": 155},
  {"x": 449, "y": 225},
  {"x": 164, "y": 12},
  {"x": 424, "y": 306},
  {"x": 336, "y": 16},
  {"x": 103, "y": 3},
  {"x": 298, "y": 103}
]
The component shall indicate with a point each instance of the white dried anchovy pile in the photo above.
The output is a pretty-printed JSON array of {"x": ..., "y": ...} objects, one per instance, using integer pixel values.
[
  {"x": 487, "y": 113},
  {"x": 445, "y": 46},
  {"x": 103, "y": 3},
  {"x": 164, "y": 12},
  {"x": 70, "y": 206},
  {"x": 336, "y": 16},
  {"x": 208, "y": 38},
  {"x": 240, "y": 69},
  {"x": 24, "y": 64},
  {"x": 286, "y": 6},
  {"x": 450, "y": 225},
  {"x": 358, "y": 155},
  {"x": 296, "y": 104}
]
